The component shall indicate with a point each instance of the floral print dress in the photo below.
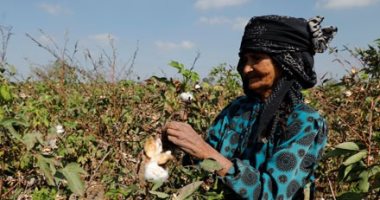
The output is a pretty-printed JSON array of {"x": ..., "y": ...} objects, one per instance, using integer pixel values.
[{"x": 278, "y": 167}]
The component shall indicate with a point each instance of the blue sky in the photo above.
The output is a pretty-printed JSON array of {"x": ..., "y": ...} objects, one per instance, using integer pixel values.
[{"x": 165, "y": 30}]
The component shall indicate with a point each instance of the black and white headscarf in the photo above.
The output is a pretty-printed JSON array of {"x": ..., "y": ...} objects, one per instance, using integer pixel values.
[{"x": 291, "y": 43}]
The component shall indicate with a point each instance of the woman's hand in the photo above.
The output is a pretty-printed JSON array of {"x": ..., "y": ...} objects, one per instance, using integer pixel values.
[{"x": 185, "y": 137}]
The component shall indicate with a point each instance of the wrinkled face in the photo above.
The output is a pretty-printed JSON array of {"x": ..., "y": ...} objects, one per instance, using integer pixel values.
[{"x": 258, "y": 72}]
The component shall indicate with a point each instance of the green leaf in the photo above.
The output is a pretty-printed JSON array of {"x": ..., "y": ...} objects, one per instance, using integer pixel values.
[
  {"x": 177, "y": 65},
  {"x": 336, "y": 152},
  {"x": 125, "y": 191},
  {"x": 160, "y": 195},
  {"x": 214, "y": 195},
  {"x": 344, "y": 171},
  {"x": 375, "y": 170},
  {"x": 9, "y": 123},
  {"x": 210, "y": 165},
  {"x": 355, "y": 158},
  {"x": 357, "y": 168},
  {"x": 30, "y": 139},
  {"x": 157, "y": 185},
  {"x": 72, "y": 173},
  {"x": 363, "y": 182},
  {"x": 47, "y": 167},
  {"x": 2, "y": 113},
  {"x": 5, "y": 93},
  {"x": 188, "y": 190},
  {"x": 25, "y": 160},
  {"x": 348, "y": 146},
  {"x": 350, "y": 196}
]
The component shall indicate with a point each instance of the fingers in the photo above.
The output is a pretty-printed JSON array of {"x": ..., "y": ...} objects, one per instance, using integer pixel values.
[
  {"x": 175, "y": 125},
  {"x": 174, "y": 132},
  {"x": 181, "y": 143},
  {"x": 174, "y": 139},
  {"x": 176, "y": 128}
]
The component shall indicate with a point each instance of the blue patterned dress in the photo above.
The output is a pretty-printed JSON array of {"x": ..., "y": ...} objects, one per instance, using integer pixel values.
[{"x": 278, "y": 167}]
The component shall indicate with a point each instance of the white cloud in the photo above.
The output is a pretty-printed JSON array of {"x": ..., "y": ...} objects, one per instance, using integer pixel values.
[
  {"x": 209, "y": 4},
  {"x": 237, "y": 23},
  {"x": 103, "y": 38},
  {"x": 215, "y": 20},
  {"x": 341, "y": 4},
  {"x": 171, "y": 45},
  {"x": 54, "y": 9}
]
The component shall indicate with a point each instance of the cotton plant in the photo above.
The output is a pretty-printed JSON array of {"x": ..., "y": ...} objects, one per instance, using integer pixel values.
[{"x": 153, "y": 171}]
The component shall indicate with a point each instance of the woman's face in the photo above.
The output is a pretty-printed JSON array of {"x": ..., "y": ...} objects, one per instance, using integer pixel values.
[{"x": 259, "y": 73}]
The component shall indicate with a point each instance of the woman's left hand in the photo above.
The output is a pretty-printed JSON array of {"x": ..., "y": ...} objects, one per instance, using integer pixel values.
[{"x": 185, "y": 137}]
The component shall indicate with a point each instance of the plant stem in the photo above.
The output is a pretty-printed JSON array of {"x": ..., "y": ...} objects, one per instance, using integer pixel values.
[
  {"x": 97, "y": 168},
  {"x": 370, "y": 132},
  {"x": 331, "y": 188}
]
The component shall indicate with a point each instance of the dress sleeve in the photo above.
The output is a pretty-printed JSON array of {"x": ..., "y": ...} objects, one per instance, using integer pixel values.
[{"x": 290, "y": 165}]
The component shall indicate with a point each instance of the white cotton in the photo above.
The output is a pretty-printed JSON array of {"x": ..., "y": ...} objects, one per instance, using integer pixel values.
[
  {"x": 155, "y": 173},
  {"x": 186, "y": 96},
  {"x": 348, "y": 93},
  {"x": 59, "y": 129},
  {"x": 158, "y": 146},
  {"x": 197, "y": 86}
]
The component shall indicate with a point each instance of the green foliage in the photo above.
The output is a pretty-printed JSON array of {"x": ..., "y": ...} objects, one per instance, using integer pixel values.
[
  {"x": 352, "y": 109},
  {"x": 72, "y": 172},
  {"x": 5, "y": 93},
  {"x": 228, "y": 78},
  {"x": 189, "y": 76},
  {"x": 371, "y": 59},
  {"x": 44, "y": 194}
]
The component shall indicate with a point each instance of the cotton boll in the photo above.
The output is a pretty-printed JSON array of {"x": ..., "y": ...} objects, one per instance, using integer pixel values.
[
  {"x": 153, "y": 150},
  {"x": 158, "y": 146},
  {"x": 163, "y": 157},
  {"x": 59, "y": 129},
  {"x": 155, "y": 173},
  {"x": 153, "y": 147},
  {"x": 348, "y": 93},
  {"x": 186, "y": 96}
]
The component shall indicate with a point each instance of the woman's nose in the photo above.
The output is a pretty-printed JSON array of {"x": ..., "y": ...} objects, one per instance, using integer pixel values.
[{"x": 248, "y": 67}]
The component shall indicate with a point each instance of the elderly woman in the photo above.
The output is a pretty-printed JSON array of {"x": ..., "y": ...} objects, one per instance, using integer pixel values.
[{"x": 268, "y": 141}]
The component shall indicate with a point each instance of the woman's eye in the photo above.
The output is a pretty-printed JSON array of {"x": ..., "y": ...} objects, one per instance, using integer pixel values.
[
  {"x": 256, "y": 58},
  {"x": 243, "y": 60}
]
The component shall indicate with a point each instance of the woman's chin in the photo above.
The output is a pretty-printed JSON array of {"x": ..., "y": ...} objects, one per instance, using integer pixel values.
[
  {"x": 256, "y": 86},
  {"x": 259, "y": 88}
]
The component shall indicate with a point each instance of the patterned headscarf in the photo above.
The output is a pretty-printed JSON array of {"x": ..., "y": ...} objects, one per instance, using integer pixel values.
[{"x": 291, "y": 43}]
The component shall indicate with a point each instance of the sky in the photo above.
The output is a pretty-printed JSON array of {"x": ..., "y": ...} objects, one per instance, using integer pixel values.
[{"x": 164, "y": 30}]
